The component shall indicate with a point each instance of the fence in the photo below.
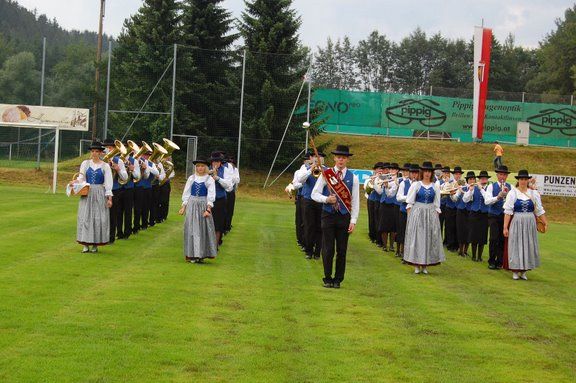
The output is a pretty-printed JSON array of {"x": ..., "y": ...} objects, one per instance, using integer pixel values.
[{"x": 250, "y": 105}]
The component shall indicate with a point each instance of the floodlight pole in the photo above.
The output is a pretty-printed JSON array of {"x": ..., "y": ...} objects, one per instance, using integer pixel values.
[
  {"x": 55, "y": 171},
  {"x": 173, "y": 91},
  {"x": 309, "y": 78},
  {"x": 41, "y": 98},
  {"x": 105, "y": 135},
  {"x": 98, "y": 57},
  {"x": 241, "y": 110}
]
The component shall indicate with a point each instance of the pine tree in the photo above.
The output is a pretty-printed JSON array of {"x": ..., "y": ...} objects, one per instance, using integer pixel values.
[
  {"x": 143, "y": 52},
  {"x": 209, "y": 92},
  {"x": 276, "y": 64}
]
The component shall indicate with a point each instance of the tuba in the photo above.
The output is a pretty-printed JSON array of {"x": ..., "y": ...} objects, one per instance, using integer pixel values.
[
  {"x": 170, "y": 147},
  {"x": 168, "y": 168},
  {"x": 158, "y": 153},
  {"x": 119, "y": 149},
  {"x": 145, "y": 148}
]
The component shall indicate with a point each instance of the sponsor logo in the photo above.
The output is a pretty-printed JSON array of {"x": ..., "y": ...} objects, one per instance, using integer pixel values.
[
  {"x": 549, "y": 120},
  {"x": 336, "y": 106},
  {"x": 424, "y": 112}
]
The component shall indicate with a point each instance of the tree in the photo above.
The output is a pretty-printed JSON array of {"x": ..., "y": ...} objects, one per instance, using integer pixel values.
[
  {"x": 556, "y": 56},
  {"x": 144, "y": 51},
  {"x": 208, "y": 91},
  {"x": 414, "y": 63},
  {"x": 20, "y": 80},
  {"x": 375, "y": 58},
  {"x": 326, "y": 73},
  {"x": 274, "y": 73}
]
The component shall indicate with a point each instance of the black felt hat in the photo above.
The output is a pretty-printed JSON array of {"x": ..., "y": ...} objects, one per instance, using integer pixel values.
[
  {"x": 523, "y": 174},
  {"x": 414, "y": 168},
  {"x": 205, "y": 162},
  {"x": 342, "y": 150},
  {"x": 96, "y": 145},
  {"x": 108, "y": 142},
  {"x": 457, "y": 170},
  {"x": 406, "y": 166},
  {"x": 470, "y": 174},
  {"x": 446, "y": 169},
  {"x": 502, "y": 169},
  {"x": 386, "y": 165},
  {"x": 394, "y": 165},
  {"x": 483, "y": 173},
  {"x": 427, "y": 165},
  {"x": 216, "y": 156},
  {"x": 379, "y": 164},
  {"x": 437, "y": 166}
]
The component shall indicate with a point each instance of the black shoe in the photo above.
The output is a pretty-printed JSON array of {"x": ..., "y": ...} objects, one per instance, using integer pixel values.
[
  {"x": 308, "y": 256},
  {"x": 492, "y": 267},
  {"x": 336, "y": 285},
  {"x": 391, "y": 248},
  {"x": 385, "y": 249},
  {"x": 316, "y": 256},
  {"x": 379, "y": 245},
  {"x": 328, "y": 285}
]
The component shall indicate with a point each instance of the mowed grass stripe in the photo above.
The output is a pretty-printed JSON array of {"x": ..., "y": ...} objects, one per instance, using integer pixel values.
[{"x": 137, "y": 312}]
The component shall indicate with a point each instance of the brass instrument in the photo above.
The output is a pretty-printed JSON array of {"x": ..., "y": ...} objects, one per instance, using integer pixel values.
[
  {"x": 448, "y": 187},
  {"x": 170, "y": 148},
  {"x": 370, "y": 185},
  {"x": 119, "y": 150},
  {"x": 145, "y": 148},
  {"x": 168, "y": 168},
  {"x": 158, "y": 153},
  {"x": 316, "y": 168}
]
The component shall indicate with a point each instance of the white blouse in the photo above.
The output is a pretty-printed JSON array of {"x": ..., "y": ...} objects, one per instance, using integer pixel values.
[
  {"x": 108, "y": 181},
  {"x": 210, "y": 184},
  {"x": 413, "y": 191},
  {"x": 515, "y": 194}
]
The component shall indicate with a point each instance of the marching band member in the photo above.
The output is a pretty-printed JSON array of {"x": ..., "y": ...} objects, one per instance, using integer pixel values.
[
  {"x": 231, "y": 196},
  {"x": 386, "y": 216},
  {"x": 119, "y": 174},
  {"x": 449, "y": 211},
  {"x": 462, "y": 212},
  {"x": 223, "y": 185},
  {"x": 339, "y": 216},
  {"x": 165, "y": 190},
  {"x": 312, "y": 210},
  {"x": 478, "y": 216},
  {"x": 373, "y": 202},
  {"x": 403, "y": 188},
  {"x": 423, "y": 241},
  {"x": 494, "y": 197},
  {"x": 197, "y": 202},
  {"x": 148, "y": 171},
  {"x": 398, "y": 205},
  {"x": 520, "y": 207},
  {"x": 126, "y": 207},
  {"x": 155, "y": 201},
  {"x": 93, "y": 224},
  {"x": 437, "y": 172},
  {"x": 445, "y": 176},
  {"x": 299, "y": 223}
]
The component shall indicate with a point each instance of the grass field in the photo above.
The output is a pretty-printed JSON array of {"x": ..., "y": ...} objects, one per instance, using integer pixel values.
[{"x": 137, "y": 313}]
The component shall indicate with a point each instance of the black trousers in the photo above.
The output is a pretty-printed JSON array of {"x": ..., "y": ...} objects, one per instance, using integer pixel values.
[
  {"x": 230, "y": 203},
  {"x": 496, "y": 244},
  {"x": 334, "y": 232},
  {"x": 144, "y": 199},
  {"x": 442, "y": 217},
  {"x": 164, "y": 201},
  {"x": 298, "y": 220},
  {"x": 372, "y": 228},
  {"x": 124, "y": 219},
  {"x": 138, "y": 208},
  {"x": 312, "y": 227},
  {"x": 114, "y": 213},
  {"x": 450, "y": 236},
  {"x": 154, "y": 205}
]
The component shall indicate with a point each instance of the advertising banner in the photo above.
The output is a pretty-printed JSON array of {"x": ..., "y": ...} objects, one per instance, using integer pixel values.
[{"x": 28, "y": 116}]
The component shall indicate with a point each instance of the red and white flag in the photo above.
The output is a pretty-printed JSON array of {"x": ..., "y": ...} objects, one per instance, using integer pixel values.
[{"x": 482, "y": 48}]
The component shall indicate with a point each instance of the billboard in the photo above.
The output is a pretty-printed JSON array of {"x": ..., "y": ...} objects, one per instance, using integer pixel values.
[{"x": 28, "y": 116}]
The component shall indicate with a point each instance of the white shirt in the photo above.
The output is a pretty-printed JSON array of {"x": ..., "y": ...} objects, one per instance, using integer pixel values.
[
  {"x": 226, "y": 181},
  {"x": 162, "y": 173},
  {"x": 400, "y": 195},
  {"x": 210, "y": 184},
  {"x": 297, "y": 185},
  {"x": 515, "y": 194},
  {"x": 489, "y": 199},
  {"x": 319, "y": 197},
  {"x": 469, "y": 194},
  {"x": 136, "y": 171},
  {"x": 108, "y": 181},
  {"x": 415, "y": 187},
  {"x": 122, "y": 173}
]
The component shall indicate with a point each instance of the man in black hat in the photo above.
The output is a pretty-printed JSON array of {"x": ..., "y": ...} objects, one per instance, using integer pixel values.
[
  {"x": 299, "y": 220},
  {"x": 337, "y": 221},
  {"x": 373, "y": 202},
  {"x": 312, "y": 210},
  {"x": 449, "y": 211},
  {"x": 231, "y": 196},
  {"x": 494, "y": 197},
  {"x": 165, "y": 190},
  {"x": 437, "y": 172},
  {"x": 478, "y": 216},
  {"x": 127, "y": 198},
  {"x": 144, "y": 198},
  {"x": 223, "y": 185},
  {"x": 120, "y": 177}
]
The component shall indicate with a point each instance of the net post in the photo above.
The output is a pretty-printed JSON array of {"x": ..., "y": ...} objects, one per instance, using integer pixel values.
[{"x": 241, "y": 110}]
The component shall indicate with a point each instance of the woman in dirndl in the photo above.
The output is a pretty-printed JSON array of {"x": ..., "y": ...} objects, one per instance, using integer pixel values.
[
  {"x": 93, "y": 224},
  {"x": 423, "y": 241},
  {"x": 197, "y": 202},
  {"x": 521, "y": 208}
]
